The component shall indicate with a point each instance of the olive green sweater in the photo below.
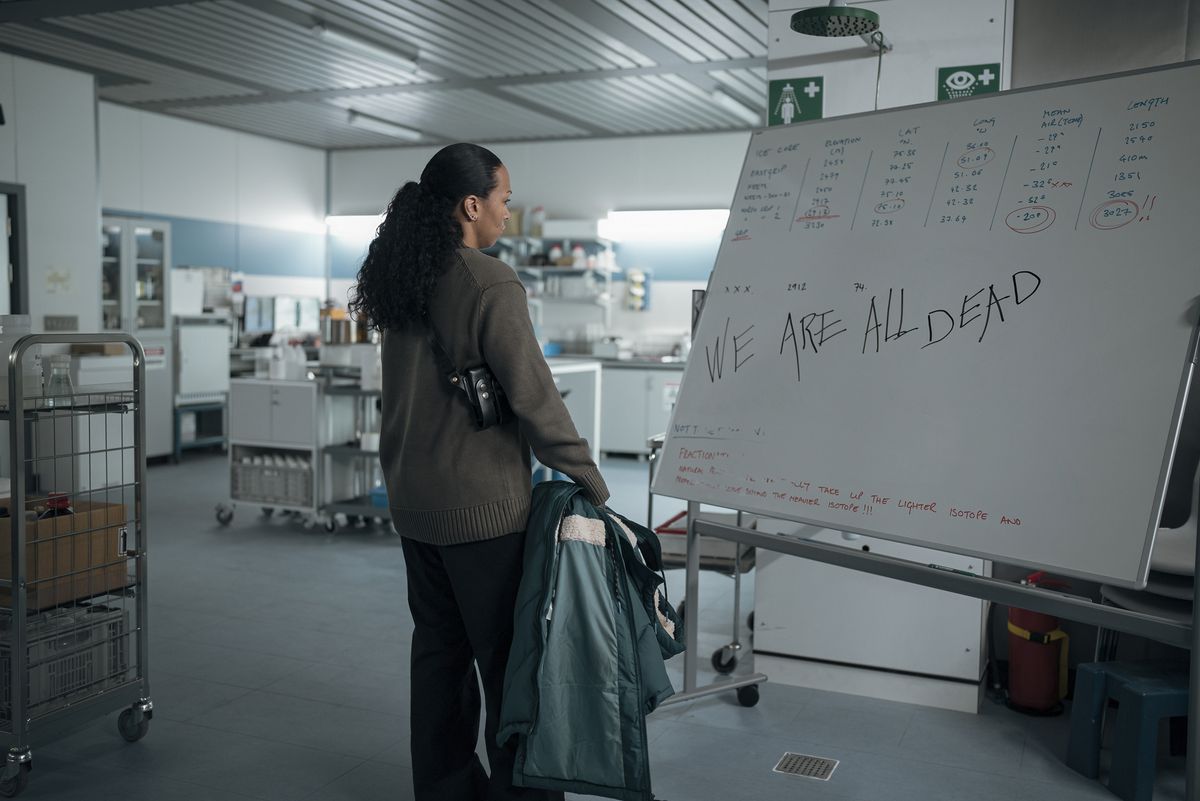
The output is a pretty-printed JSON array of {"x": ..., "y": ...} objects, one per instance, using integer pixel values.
[{"x": 448, "y": 482}]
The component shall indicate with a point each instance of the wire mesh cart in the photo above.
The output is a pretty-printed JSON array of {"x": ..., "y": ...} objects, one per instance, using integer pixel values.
[{"x": 73, "y": 601}]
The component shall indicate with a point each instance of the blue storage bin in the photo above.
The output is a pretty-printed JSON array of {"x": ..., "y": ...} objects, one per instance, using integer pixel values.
[{"x": 379, "y": 497}]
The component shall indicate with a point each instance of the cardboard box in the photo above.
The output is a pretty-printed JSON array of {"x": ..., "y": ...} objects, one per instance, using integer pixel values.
[
  {"x": 68, "y": 557},
  {"x": 101, "y": 349}
]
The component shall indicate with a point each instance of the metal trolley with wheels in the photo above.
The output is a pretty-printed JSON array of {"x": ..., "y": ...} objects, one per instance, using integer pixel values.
[
  {"x": 73, "y": 622},
  {"x": 731, "y": 559}
]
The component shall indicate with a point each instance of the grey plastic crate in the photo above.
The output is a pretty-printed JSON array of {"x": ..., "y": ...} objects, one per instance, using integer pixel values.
[{"x": 72, "y": 651}]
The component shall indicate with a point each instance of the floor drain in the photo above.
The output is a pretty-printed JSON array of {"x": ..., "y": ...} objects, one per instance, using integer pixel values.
[{"x": 810, "y": 767}]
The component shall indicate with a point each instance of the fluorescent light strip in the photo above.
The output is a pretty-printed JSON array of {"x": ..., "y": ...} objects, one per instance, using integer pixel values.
[
  {"x": 357, "y": 119},
  {"x": 737, "y": 107},
  {"x": 357, "y": 228},
  {"x": 340, "y": 38},
  {"x": 680, "y": 225}
]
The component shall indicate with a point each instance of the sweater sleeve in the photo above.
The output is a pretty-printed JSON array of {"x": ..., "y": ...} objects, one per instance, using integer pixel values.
[{"x": 511, "y": 350}]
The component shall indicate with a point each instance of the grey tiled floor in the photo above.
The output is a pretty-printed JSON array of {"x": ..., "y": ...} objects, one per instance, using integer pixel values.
[{"x": 279, "y": 671}]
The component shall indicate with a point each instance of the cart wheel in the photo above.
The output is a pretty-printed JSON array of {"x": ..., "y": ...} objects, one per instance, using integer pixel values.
[
  {"x": 224, "y": 515},
  {"x": 748, "y": 695},
  {"x": 750, "y": 620},
  {"x": 132, "y": 732},
  {"x": 720, "y": 664},
  {"x": 331, "y": 525},
  {"x": 11, "y": 788},
  {"x": 268, "y": 511}
]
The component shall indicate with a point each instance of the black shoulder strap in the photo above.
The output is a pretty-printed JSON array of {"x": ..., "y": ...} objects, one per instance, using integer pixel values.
[{"x": 445, "y": 363}]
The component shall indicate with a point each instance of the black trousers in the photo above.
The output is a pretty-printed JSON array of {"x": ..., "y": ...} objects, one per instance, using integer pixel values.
[{"x": 462, "y": 599}]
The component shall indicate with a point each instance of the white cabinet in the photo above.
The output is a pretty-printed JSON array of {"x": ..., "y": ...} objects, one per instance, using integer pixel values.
[
  {"x": 293, "y": 414},
  {"x": 636, "y": 404},
  {"x": 275, "y": 413},
  {"x": 250, "y": 411},
  {"x": 848, "y": 631},
  {"x": 662, "y": 387},
  {"x": 579, "y": 382}
]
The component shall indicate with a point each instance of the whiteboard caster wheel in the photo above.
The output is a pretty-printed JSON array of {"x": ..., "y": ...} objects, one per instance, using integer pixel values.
[
  {"x": 721, "y": 664},
  {"x": 748, "y": 695},
  {"x": 267, "y": 511},
  {"x": 224, "y": 515},
  {"x": 331, "y": 525}
]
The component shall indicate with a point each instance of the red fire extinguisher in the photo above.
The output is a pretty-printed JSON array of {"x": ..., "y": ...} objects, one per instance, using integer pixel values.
[{"x": 1037, "y": 657}]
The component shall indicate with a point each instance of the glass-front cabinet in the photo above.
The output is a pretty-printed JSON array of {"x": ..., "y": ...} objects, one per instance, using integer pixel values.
[
  {"x": 111, "y": 295},
  {"x": 136, "y": 270}
]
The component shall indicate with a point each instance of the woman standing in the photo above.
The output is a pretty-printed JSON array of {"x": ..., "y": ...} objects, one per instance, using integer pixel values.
[{"x": 460, "y": 496}]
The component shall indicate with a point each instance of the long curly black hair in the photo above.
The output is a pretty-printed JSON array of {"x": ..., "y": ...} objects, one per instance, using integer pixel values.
[{"x": 418, "y": 237}]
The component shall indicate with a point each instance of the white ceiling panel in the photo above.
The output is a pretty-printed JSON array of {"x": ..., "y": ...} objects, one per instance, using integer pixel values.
[
  {"x": 268, "y": 51},
  {"x": 317, "y": 124},
  {"x": 148, "y": 81},
  {"x": 494, "y": 70},
  {"x": 459, "y": 115},
  {"x": 640, "y": 105}
]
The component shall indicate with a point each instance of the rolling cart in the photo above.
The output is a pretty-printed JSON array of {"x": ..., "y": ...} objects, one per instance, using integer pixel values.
[
  {"x": 353, "y": 489},
  {"x": 73, "y": 622},
  {"x": 274, "y": 442},
  {"x": 728, "y": 558}
]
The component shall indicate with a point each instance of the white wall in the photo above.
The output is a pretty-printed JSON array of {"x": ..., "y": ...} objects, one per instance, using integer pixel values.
[
  {"x": 1071, "y": 39},
  {"x": 8, "y": 132},
  {"x": 48, "y": 144},
  {"x": 572, "y": 179},
  {"x": 155, "y": 164},
  {"x": 926, "y": 35},
  {"x": 577, "y": 180}
]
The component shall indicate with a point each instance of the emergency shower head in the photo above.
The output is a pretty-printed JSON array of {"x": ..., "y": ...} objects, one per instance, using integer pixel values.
[{"x": 836, "y": 19}]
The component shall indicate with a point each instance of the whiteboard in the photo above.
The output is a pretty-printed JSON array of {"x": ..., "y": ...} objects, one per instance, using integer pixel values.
[{"x": 960, "y": 325}]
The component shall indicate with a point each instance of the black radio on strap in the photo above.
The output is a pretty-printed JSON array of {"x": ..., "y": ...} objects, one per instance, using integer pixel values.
[{"x": 484, "y": 394}]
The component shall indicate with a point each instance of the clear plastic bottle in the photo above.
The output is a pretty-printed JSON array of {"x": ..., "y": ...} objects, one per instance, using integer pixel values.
[{"x": 59, "y": 382}]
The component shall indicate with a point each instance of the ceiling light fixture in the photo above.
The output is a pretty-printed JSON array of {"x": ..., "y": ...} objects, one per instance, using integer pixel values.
[
  {"x": 673, "y": 225},
  {"x": 737, "y": 107},
  {"x": 340, "y": 38},
  {"x": 359, "y": 120}
]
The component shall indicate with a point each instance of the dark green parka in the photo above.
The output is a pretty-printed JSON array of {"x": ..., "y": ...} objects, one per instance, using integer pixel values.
[{"x": 592, "y": 629}]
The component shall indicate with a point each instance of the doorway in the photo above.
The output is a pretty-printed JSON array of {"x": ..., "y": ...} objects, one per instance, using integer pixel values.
[{"x": 14, "y": 290}]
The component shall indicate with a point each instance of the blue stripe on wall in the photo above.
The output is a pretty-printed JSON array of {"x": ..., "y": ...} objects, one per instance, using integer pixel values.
[
  {"x": 252, "y": 249},
  {"x": 345, "y": 256},
  {"x": 270, "y": 251},
  {"x": 200, "y": 243}
]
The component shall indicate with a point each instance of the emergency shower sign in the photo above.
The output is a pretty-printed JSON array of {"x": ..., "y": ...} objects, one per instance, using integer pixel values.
[{"x": 795, "y": 100}]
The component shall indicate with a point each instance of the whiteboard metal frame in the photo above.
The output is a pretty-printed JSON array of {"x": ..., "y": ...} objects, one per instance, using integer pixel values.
[
  {"x": 1180, "y": 402},
  {"x": 1038, "y": 599}
]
